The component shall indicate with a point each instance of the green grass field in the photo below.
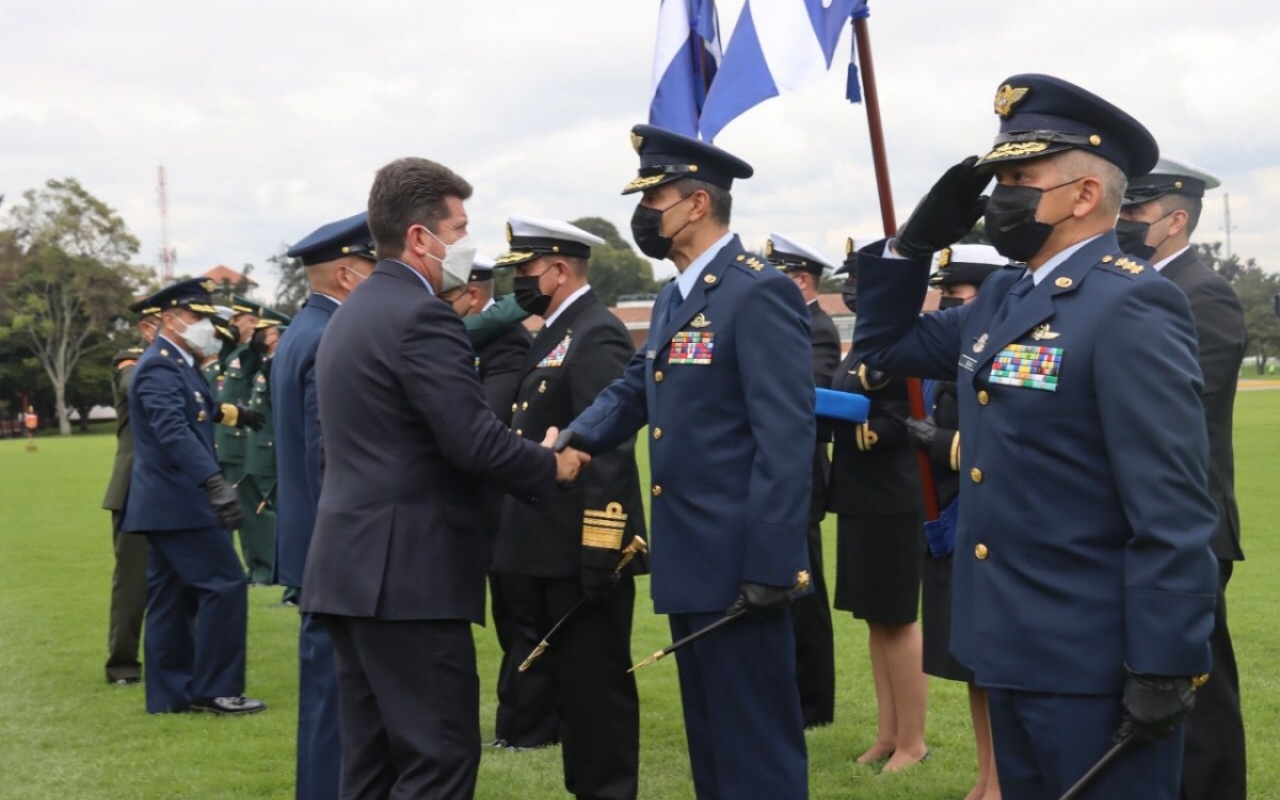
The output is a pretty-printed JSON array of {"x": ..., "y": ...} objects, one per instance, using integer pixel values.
[{"x": 64, "y": 733}]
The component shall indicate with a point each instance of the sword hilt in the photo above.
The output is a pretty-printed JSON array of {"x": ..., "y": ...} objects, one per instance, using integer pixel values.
[{"x": 537, "y": 652}]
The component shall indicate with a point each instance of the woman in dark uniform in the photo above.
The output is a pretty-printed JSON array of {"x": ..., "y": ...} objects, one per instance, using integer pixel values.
[
  {"x": 875, "y": 491},
  {"x": 961, "y": 269}
]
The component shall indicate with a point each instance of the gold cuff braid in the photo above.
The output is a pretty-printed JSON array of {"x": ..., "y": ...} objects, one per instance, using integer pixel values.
[
  {"x": 955, "y": 452},
  {"x": 604, "y": 528},
  {"x": 230, "y": 415}
]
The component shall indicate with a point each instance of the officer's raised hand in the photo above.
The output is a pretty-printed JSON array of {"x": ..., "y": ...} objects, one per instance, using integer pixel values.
[
  {"x": 921, "y": 433},
  {"x": 569, "y": 461},
  {"x": 235, "y": 416},
  {"x": 222, "y": 496},
  {"x": 758, "y": 599},
  {"x": 946, "y": 213},
  {"x": 1154, "y": 705}
]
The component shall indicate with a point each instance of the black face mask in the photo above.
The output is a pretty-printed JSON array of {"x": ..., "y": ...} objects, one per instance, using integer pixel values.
[
  {"x": 529, "y": 294},
  {"x": 1011, "y": 220},
  {"x": 1133, "y": 237},
  {"x": 646, "y": 229},
  {"x": 850, "y": 296},
  {"x": 948, "y": 301}
]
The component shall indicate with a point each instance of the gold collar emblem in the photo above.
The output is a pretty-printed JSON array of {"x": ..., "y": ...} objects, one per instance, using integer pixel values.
[
  {"x": 1043, "y": 332},
  {"x": 1007, "y": 97}
]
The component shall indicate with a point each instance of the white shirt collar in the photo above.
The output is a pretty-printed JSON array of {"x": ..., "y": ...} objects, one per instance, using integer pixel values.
[
  {"x": 329, "y": 297},
  {"x": 1049, "y": 266},
  {"x": 689, "y": 278},
  {"x": 489, "y": 305},
  {"x": 568, "y": 301},
  {"x": 415, "y": 274},
  {"x": 191, "y": 360},
  {"x": 1165, "y": 262}
]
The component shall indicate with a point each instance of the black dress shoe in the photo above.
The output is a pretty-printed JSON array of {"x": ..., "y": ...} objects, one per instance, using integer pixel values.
[
  {"x": 228, "y": 705},
  {"x": 124, "y": 681}
]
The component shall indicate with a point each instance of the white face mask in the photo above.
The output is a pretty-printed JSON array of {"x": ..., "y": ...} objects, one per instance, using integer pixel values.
[
  {"x": 456, "y": 265},
  {"x": 202, "y": 338}
]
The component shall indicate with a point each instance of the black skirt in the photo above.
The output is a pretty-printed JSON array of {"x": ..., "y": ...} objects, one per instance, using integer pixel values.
[
  {"x": 878, "y": 567},
  {"x": 936, "y": 614}
]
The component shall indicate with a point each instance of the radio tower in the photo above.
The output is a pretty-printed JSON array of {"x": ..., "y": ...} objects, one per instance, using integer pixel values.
[{"x": 167, "y": 254}]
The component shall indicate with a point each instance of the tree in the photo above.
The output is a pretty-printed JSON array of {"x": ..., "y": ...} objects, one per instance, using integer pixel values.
[
  {"x": 616, "y": 270},
  {"x": 64, "y": 278},
  {"x": 978, "y": 235},
  {"x": 294, "y": 288}
]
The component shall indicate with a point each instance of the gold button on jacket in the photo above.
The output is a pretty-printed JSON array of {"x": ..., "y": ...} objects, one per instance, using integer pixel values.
[
  {"x": 980, "y": 552},
  {"x": 657, "y": 490},
  {"x": 976, "y": 475},
  {"x": 983, "y": 397},
  {"x": 657, "y": 433}
]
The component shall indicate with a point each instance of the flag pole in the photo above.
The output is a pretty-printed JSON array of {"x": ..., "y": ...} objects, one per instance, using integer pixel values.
[{"x": 871, "y": 99}]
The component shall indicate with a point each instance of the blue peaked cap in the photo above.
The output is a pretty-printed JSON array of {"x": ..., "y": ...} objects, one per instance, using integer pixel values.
[{"x": 346, "y": 237}]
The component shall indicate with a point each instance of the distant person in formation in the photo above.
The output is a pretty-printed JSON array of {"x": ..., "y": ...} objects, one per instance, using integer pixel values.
[
  {"x": 258, "y": 487},
  {"x": 1084, "y": 584},
  {"x": 724, "y": 384},
  {"x": 961, "y": 270},
  {"x": 398, "y": 557},
  {"x": 129, "y": 580},
  {"x": 338, "y": 258},
  {"x": 1160, "y": 212},
  {"x": 194, "y": 645},
  {"x": 815, "y": 644}
]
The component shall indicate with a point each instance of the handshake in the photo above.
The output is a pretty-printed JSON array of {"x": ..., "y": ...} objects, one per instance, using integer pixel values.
[{"x": 569, "y": 460}]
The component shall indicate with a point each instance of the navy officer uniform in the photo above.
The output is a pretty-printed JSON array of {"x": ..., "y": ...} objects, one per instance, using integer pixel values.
[
  {"x": 815, "y": 642},
  {"x": 724, "y": 384},
  {"x": 298, "y": 464},
  {"x": 1084, "y": 585},
  {"x": 196, "y": 591}
]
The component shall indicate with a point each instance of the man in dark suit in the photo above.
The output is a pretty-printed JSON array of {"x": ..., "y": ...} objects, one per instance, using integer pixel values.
[
  {"x": 338, "y": 258},
  {"x": 397, "y": 560},
  {"x": 815, "y": 645},
  {"x": 527, "y": 716},
  {"x": 1160, "y": 213},
  {"x": 129, "y": 581},
  {"x": 178, "y": 498},
  {"x": 571, "y": 546},
  {"x": 1084, "y": 584},
  {"x": 724, "y": 384}
]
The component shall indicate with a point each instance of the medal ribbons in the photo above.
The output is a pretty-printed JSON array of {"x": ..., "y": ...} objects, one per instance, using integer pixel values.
[
  {"x": 556, "y": 357},
  {"x": 1029, "y": 366},
  {"x": 692, "y": 347}
]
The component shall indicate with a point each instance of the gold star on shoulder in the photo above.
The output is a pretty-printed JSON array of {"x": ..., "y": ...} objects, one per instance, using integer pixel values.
[{"x": 1130, "y": 266}]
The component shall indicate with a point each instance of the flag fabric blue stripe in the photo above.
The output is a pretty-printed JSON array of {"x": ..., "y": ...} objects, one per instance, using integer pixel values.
[
  {"x": 744, "y": 79},
  {"x": 686, "y": 59}
]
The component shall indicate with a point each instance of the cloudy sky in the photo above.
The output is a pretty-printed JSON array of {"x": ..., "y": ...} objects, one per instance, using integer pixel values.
[{"x": 271, "y": 117}]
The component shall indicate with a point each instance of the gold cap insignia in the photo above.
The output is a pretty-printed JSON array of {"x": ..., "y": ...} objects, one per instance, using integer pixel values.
[
  {"x": 512, "y": 257},
  {"x": 644, "y": 182},
  {"x": 1095, "y": 140},
  {"x": 1063, "y": 283},
  {"x": 509, "y": 233},
  {"x": 700, "y": 321},
  {"x": 208, "y": 285},
  {"x": 944, "y": 257},
  {"x": 768, "y": 248},
  {"x": 1014, "y": 150},
  {"x": 1008, "y": 97},
  {"x": 637, "y": 141},
  {"x": 848, "y": 246}
]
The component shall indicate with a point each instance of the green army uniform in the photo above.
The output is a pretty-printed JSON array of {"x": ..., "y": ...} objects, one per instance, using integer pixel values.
[
  {"x": 491, "y": 323},
  {"x": 258, "y": 487},
  {"x": 129, "y": 580}
]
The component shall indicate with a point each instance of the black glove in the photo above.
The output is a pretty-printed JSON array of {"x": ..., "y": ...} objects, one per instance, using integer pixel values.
[
  {"x": 921, "y": 433},
  {"x": 249, "y": 418},
  {"x": 946, "y": 213},
  {"x": 758, "y": 599},
  {"x": 1153, "y": 705},
  {"x": 226, "y": 505},
  {"x": 599, "y": 572},
  {"x": 567, "y": 438}
]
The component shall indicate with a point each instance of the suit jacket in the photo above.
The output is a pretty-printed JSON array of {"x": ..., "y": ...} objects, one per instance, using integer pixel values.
[
  {"x": 297, "y": 436},
  {"x": 409, "y": 443},
  {"x": 1222, "y": 336},
  {"x": 171, "y": 414},
  {"x": 118, "y": 487},
  {"x": 826, "y": 357},
  {"x": 499, "y": 361},
  {"x": 570, "y": 363},
  {"x": 1083, "y": 538},
  {"x": 724, "y": 386}
]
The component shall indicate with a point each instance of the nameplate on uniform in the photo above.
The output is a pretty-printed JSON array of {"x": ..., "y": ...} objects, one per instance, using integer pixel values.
[
  {"x": 556, "y": 357},
  {"x": 692, "y": 347},
  {"x": 1028, "y": 366},
  {"x": 968, "y": 362}
]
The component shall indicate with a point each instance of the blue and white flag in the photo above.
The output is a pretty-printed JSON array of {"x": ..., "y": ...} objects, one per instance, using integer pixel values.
[
  {"x": 777, "y": 46},
  {"x": 684, "y": 63}
]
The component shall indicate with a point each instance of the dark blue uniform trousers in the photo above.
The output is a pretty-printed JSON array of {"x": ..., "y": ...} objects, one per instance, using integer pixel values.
[
  {"x": 1045, "y": 742},
  {"x": 742, "y": 708},
  {"x": 319, "y": 747},
  {"x": 197, "y": 615}
]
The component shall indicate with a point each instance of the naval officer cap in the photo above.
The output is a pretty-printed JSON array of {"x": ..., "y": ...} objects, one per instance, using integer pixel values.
[
  {"x": 1041, "y": 115},
  {"x": 531, "y": 237},
  {"x": 193, "y": 294},
  {"x": 789, "y": 255},
  {"x": 666, "y": 156},
  {"x": 1170, "y": 176},
  {"x": 850, "y": 265},
  {"x": 481, "y": 270},
  {"x": 965, "y": 263},
  {"x": 346, "y": 237}
]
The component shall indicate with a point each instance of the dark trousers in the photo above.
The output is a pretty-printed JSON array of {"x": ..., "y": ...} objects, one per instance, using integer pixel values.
[
  {"x": 258, "y": 533},
  {"x": 128, "y": 603},
  {"x": 815, "y": 643},
  {"x": 587, "y": 663},
  {"x": 319, "y": 748},
  {"x": 409, "y": 708},
  {"x": 527, "y": 713},
  {"x": 1213, "y": 763},
  {"x": 1044, "y": 743},
  {"x": 742, "y": 709},
  {"x": 197, "y": 615}
]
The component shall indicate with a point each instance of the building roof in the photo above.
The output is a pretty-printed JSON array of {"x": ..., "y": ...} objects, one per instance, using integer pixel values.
[{"x": 224, "y": 274}]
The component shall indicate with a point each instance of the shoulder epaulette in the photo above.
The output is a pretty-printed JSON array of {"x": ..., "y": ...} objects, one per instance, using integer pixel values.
[{"x": 1124, "y": 264}]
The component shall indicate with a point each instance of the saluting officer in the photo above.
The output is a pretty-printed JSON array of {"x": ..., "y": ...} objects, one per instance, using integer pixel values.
[
  {"x": 815, "y": 646},
  {"x": 724, "y": 384},
  {"x": 1160, "y": 213},
  {"x": 571, "y": 544},
  {"x": 1085, "y": 587},
  {"x": 129, "y": 580},
  {"x": 179, "y": 498}
]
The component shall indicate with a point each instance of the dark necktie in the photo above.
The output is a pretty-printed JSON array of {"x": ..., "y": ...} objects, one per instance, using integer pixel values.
[
  {"x": 674, "y": 306},
  {"x": 1016, "y": 293}
]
